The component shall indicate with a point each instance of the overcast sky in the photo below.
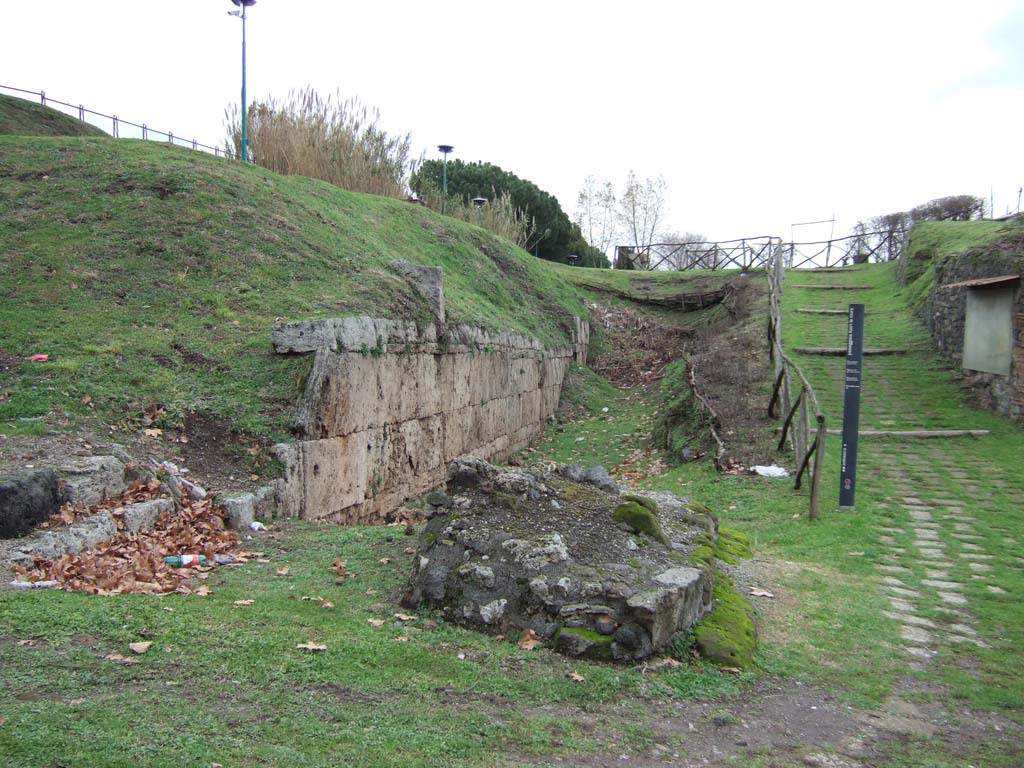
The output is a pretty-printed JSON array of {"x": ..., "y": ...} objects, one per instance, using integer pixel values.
[{"x": 758, "y": 114}]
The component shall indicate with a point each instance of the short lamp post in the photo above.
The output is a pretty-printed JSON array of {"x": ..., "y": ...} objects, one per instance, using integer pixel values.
[
  {"x": 479, "y": 203},
  {"x": 240, "y": 13},
  {"x": 444, "y": 149}
]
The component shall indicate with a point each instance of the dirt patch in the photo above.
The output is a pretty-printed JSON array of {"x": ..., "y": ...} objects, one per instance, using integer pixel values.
[
  {"x": 641, "y": 345},
  {"x": 8, "y": 362},
  {"x": 196, "y": 359},
  {"x": 224, "y": 460}
]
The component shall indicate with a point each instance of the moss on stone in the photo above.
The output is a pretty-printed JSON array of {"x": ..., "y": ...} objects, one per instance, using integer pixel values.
[
  {"x": 703, "y": 555},
  {"x": 600, "y": 646},
  {"x": 727, "y": 635},
  {"x": 640, "y": 519},
  {"x": 634, "y": 563},
  {"x": 700, "y": 516},
  {"x": 428, "y": 539},
  {"x": 733, "y": 546},
  {"x": 642, "y": 501}
]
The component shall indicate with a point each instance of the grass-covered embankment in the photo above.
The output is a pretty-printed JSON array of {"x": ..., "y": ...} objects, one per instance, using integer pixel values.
[
  {"x": 20, "y": 117},
  {"x": 153, "y": 274}
]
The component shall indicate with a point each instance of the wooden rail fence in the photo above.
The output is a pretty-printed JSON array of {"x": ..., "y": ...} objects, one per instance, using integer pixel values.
[{"x": 806, "y": 438}]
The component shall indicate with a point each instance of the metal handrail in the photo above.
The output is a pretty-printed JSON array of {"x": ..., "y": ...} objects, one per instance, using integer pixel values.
[{"x": 116, "y": 124}]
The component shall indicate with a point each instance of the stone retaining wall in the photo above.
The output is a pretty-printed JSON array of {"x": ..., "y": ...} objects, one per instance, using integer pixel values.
[
  {"x": 388, "y": 406},
  {"x": 945, "y": 315}
]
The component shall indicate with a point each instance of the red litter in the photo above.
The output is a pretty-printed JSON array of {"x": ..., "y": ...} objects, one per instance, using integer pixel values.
[{"x": 39, "y": 358}]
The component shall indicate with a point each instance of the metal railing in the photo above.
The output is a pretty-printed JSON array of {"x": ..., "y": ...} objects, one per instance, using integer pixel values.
[
  {"x": 118, "y": 127},
  {"x": 807, "y": 440}
]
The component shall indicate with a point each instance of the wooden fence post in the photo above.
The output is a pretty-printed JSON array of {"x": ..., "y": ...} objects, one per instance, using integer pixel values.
[{"x": 819, "y": 463}]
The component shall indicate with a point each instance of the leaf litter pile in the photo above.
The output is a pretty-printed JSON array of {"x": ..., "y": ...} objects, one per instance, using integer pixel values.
[{"x": 133, "y": 563}]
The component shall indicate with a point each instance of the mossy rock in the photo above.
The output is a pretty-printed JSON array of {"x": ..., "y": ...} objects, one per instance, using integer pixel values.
[
  {"x": 733, "y": 546},
  {"x": 584, "y": 643},
  {"x": 643, "y": 501},
  {"x": 641, "y": 520},
  {"x": 702, "y": 516},
  {"x": 727, "y": 635}
]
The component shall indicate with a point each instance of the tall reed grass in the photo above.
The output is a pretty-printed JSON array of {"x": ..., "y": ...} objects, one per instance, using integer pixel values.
[{"x": 332, "y": 139}]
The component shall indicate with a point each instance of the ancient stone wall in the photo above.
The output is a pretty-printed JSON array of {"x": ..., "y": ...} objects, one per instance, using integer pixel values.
[
  {"x": 945, "y": 315},
  {"x": 388, "y": 405}
]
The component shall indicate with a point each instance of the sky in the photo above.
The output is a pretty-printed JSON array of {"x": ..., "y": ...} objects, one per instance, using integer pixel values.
[{"x": 759, "y": 115}]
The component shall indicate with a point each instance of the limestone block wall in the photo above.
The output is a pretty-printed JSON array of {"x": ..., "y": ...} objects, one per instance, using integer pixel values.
[{"x": 388, "y": 405}]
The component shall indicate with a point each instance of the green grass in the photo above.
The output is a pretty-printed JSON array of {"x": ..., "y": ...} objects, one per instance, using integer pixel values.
[
  {"x": 151, "y": 273},
  {"x": 20, "y": 117},
  {"x": 226, "y": 684},
  {"x": 832, "y": 630}
]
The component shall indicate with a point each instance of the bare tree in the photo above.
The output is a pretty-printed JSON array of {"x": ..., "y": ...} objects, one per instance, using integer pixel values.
[
  {"x": 595, "y": 213},
  {"x": 641, "y": 211},
  {"x": 678, "y": 250}
]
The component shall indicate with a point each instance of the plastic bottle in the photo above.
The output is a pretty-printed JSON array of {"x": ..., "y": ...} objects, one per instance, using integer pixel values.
[{"x": 184, "y": 561}]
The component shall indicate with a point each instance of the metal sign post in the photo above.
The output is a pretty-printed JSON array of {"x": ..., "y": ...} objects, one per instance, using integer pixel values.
[{"x": 851, "y": 406}]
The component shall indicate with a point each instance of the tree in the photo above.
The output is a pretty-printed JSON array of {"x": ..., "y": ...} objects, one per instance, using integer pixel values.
[
  {"x": 641, "y": 210},
  {"x": 952, "y": 208},
  {"x": 555, "y": 238},
  {"x": 678, "y": 250},
  {"x": 595, "y": 213}
]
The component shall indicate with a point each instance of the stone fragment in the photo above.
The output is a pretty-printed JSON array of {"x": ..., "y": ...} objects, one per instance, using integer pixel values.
[
  {"x": 27, "y": 500},
  {"x": 142, "y": 516}
]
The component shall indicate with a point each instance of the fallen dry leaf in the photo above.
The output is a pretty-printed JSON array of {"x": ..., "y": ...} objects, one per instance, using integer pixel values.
[
  {"x": 169, "y": 610},
  {"x": 323, "y": 603},
  {"x": 576, "y": 677},
  {"x": 384, "y": 560},
  {"x": 203, "y": 591},
  {"x": 528, "y": 640},
  {"x": 758, "y": 592},
  {"x": 282, "y": 571},
  {"x": 855, "y": 554},
  {"x": 732, "y": 670},
  {"x": 410, "y": 550},
  {"x": 662, "y": 663},
  {"x": 119, "y": 659},
  {"x": 153, "y": 432},
  {"x": 243, "y": 602},
  {"x": 140, "y": 648},
  {"x": 311, "y": 647},
  {"x": 404, "y": 617},
  {"x": 403, "y": 639},
  {"x": 375, "y": 622},
  {"x": 3, "y": 722}
]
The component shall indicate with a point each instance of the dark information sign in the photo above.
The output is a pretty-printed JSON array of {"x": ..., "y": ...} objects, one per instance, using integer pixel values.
[{"x": 851, "y": 406}]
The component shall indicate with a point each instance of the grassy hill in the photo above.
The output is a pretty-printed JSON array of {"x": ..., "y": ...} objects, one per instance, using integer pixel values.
[
  {"x": 19, "y": 117},
  {"x": 932, "y": 243},
  {"x": 151, "y": 275}
]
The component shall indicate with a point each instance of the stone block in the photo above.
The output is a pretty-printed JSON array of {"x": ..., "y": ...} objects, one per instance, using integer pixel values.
[{"x": 142, "y": 516}]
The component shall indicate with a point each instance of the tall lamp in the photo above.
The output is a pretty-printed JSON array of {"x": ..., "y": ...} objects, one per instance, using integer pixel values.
[
  {"x": 444, "y": 149},
  {"x": 240, "y": 13}
]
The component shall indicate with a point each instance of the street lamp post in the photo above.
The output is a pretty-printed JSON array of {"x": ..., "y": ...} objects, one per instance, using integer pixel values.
[
  {"x": 242, "y": 5},
  {"x": 479, "y": 201},
  {"x": 444, "y": 149}
]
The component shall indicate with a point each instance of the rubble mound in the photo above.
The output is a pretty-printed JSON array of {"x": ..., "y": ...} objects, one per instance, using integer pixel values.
[{"x": 599, "y": 573}]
